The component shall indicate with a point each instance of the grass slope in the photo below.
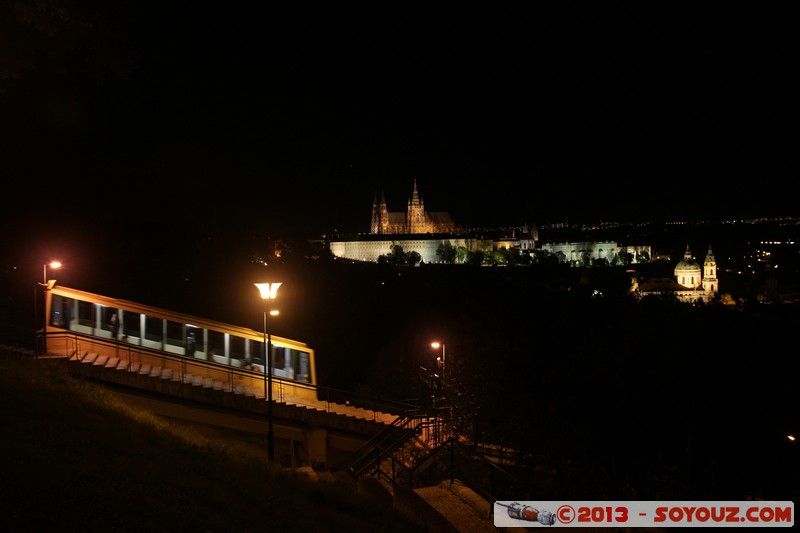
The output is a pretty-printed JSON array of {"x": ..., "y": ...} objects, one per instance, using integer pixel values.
[{"x": 73, "y": 457}]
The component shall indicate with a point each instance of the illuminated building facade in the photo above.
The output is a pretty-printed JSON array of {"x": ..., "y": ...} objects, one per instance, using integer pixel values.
[
  {"x": 691, "y": 283},
  {"x": 415, "y": 220}
]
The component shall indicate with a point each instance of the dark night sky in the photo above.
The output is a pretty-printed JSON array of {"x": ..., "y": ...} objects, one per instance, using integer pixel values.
[{"x": 287, "y": 117}]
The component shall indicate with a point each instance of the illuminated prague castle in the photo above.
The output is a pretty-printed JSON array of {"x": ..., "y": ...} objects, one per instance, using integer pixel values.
[
  {"x": 414, "y": 220},
  {"x": 424, "y": 232}
]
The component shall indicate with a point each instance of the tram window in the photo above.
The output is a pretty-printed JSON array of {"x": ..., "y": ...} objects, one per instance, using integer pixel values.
[
  {"x": 237, "y": 347},
  {"x": 152, "y": 328},
  {"x": 130, "y": 324},
  {"x": 278, "y": 357},
  {"x": 294, "y": 361},
  {"x": 86, "y": 314},
  {"x": 108, "y": 312},
  {"x": 59, "y": 313},
  {"x": 304, "y": 374},
  {"x": 216, "y": 342},
  {"x": 174, "y": 333},
  {"x": 257, "y": 351}
]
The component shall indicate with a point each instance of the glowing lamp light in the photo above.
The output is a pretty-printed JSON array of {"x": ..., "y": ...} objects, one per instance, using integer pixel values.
[
  {"x": 269, "y": 291},
  {"x": 55, "y": 265},
  {"x": 441, "y": 361}
]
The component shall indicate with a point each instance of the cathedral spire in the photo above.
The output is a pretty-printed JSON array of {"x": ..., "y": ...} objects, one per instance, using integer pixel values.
[
  {"x": 380, "y": 214},
  {"x": 415, "y": 194},
  {"x": 416, "y": 218},
  {"x": 375, "y": 222}
]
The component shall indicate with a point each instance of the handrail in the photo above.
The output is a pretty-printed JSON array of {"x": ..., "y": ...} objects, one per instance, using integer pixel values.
[
  {"x": 486, "y": 488},
  {"x": 494, "y": 473},
  {"x": 384, "y": 443},
  {"x": 381, "y": 443}
]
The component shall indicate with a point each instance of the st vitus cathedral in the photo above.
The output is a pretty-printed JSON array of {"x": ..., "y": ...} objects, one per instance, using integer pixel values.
[{"x": 414, "y": 220}]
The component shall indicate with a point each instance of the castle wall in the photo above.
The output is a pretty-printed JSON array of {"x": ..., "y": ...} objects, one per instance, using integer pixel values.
[
  {"x": 574, "y": 252},
  {"x": 370, "y": 250}
]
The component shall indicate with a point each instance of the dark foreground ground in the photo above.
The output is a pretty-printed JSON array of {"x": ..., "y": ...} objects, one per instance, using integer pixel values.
[{"x": 72, "y": 457}]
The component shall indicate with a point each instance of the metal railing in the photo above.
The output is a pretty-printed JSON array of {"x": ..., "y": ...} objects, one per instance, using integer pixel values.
[{"x": 395, "y": 451}]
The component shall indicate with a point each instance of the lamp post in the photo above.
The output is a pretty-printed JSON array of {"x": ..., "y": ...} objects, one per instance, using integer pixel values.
[
  {"x": 440, "y": 365},
  {"x": 268, "y": 291},
  {"x": 440, "y": 361},
  {"x": 46, "y": 287},
  {"x": 54, "y": 265}
]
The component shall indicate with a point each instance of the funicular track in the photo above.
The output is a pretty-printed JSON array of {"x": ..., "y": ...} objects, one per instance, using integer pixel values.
[{"x": 208, "y": 382}]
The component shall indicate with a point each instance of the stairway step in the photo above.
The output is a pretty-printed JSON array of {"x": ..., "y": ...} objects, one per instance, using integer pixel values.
[
  {"x": 122, "y": 363},
  {"x": 77, "y": 356}
]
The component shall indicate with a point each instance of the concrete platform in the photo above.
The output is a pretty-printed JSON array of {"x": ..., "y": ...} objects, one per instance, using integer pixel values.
[{"x": 462, "y": 507}]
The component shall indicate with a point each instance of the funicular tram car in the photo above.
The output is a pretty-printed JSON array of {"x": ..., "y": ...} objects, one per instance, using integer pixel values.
[{"x": 89, "y": 321}]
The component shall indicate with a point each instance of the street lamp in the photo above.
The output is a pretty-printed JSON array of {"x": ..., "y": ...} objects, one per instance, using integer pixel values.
[
  {"x": 440, "y": 361},
  {"x": 440, "y": 364},
  {"x": 269, "y": 291},
  {"x": 55, "y": 265}
]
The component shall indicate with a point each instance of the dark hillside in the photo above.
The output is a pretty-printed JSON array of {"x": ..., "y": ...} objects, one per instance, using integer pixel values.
[{"x": 75, "y": 457}]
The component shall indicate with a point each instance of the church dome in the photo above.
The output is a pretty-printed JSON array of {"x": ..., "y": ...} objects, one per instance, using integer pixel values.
[
  {"x": 688, "y": 272},
  {"x": 687, "y": 266}
]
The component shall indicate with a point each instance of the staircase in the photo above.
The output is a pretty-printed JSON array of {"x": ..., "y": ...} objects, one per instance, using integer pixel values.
[
  {"x": 399, "y": 453},
  {"x": 105, "y": 367}
]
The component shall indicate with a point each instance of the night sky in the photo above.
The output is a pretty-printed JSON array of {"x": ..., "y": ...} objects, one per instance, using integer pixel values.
[{"x": 286, "y": 118}]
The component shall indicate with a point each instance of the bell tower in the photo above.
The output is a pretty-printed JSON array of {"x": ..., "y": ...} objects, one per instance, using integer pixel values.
[{"x": 710, "y": 282}]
